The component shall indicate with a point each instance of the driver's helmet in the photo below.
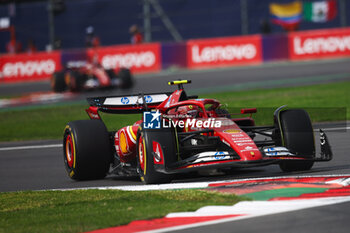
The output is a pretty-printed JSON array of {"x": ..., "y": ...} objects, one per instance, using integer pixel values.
[{"x": 189, "y": 110}]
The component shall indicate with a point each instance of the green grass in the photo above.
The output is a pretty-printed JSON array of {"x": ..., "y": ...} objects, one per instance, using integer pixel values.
[
  {"x": 48, "y": 122},
  {"x": 321, "y": 95},
  {"x": 325, "y": 102},
  {"x": 86, "y": 210}
]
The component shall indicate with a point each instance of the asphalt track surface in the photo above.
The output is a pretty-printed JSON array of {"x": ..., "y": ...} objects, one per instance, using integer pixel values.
[
  {"x": 34, "y": 166},
  {"x": 268, "y": 75},
  {"x": 326, "y": 219}
]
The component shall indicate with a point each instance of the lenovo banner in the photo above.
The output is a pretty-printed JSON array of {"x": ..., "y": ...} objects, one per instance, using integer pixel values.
[
  {"x": 25, "y": 67},
  {"x": 224, "y": 51},
  {"x": 319, "y": 44},
  {"x": 138, "y": 58}
]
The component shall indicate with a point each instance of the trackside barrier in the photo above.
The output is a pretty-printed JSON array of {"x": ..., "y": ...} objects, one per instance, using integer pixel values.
[
  {"x": 174, "y": 55},
  {"x": 275, "y": 47},
  {"x": 192, "y": 54},
  {"x": 25, "y": 67},
  {"x": 226, "y": 51},
  {"x": 40, "y": 66},
  {"x": 317, "y": 44},
  {"x": 139, "y": 58}
]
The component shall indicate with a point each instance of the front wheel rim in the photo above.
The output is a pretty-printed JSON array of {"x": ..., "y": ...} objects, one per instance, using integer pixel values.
[
  {"x": 69, "y": 151},
  {"x": 141, "y": 154}
]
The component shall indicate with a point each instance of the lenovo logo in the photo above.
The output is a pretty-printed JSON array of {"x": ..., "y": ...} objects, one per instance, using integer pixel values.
[
  {"x": 128, "y": 60},
  {"x": 28, "y": 68},
  {"x": 332, "y": 44},
  {"x": 223, "y": 53}
]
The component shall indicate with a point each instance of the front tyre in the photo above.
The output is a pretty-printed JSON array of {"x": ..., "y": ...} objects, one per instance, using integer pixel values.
[
  {"x": 87, "y": 151},
  {"x": 145, "y": 161},
  {"x": 297, "y": 135}
]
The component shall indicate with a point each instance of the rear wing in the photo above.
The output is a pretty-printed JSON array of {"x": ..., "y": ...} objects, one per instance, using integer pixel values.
[{"x": 128, "y": 104}]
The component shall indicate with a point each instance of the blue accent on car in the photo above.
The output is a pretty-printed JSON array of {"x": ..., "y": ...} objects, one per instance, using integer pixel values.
[
  {"x": 148, "y": 99},
  {"x": 220, "y": 155},
  {"x": 125, "y": 100}
]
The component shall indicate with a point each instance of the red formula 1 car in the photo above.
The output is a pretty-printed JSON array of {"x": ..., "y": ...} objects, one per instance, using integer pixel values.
[
  {"x": 180, "y": 133},
  {"x": 80, "y": 76}
]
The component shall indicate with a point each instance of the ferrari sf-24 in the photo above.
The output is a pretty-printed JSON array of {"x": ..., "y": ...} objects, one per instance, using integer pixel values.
[{"x": 178, "y": 133}]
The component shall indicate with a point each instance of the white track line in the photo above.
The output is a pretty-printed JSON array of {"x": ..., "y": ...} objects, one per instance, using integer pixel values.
[
  {"x": 30, "y": 147},
  {"x": 333, "y": 129},
  {"x": 198, "y": 185}
]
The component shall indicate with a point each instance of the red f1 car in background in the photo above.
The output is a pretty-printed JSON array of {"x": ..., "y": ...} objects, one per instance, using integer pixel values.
[
  {"x": 180, "y": 133},
  {"x": 80, "y": 76}
]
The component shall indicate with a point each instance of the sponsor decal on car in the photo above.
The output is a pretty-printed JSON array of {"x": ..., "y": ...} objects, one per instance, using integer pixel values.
[
  {"x": 250, "y": 148},
  {"x": 148, "y": 99},
  {"x": 125, "y": 100},
  {"x": 211, "y": 156},
  {"x": 277, "y": 151},
  {"x": 236, "y": 135},
  {"x": 242, "y": 140},
  {"x": 233, "y": 131},
  {"x": 135, "y": 100},
  {"x": 219, "y": 155}
]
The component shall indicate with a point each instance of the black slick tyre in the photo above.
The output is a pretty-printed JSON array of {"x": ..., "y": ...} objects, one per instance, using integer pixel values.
[
  {"x": 125, "y": 78},
  {"x": 87, "y": 151},
  {"x": 74, "y": 81},
  {"x": 145, "y": 160},
  {"x": 297, "y": 135},
  {"x": 58, "y": 83}
]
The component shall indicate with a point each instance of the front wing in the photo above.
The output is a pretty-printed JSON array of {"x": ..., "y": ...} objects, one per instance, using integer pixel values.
[{"x": 225, "y": 159}]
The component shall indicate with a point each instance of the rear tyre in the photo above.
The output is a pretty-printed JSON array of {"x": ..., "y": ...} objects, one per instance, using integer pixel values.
[
  {"x": 74, "y": 81},
  {"x": 297, "y": 135},
  {"x": 125, "y": 78},
  {"x": 57, "y": 82},
  {"x": 86, "y": 150},
  {"x": 145, "y": 160}
]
